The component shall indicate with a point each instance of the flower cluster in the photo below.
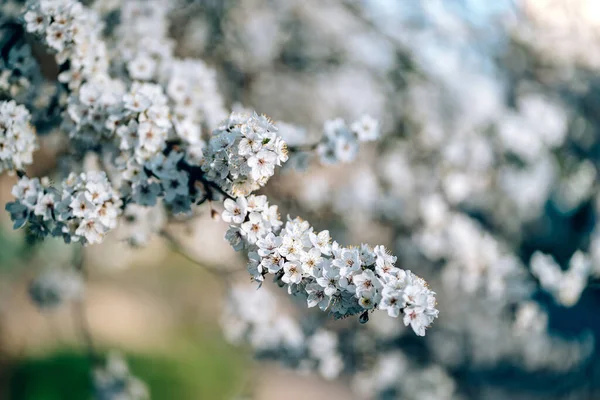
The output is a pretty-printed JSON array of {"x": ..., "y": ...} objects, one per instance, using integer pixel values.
[
  {"x": 114, "y": 381},
  {"x": 530, "y": 329},
  {"x": 136, "y": 122},
  {"x": 143, "y": 124},
  {"x": 17, "y": 136},
  {"x": 73, "y": 33},
  {"x": 418, "y": 381},
  {"x": 84, "y": 210},
  {"x": 323, "y": 347},
  {"x": 160, "y": 155},
  {"x": 253, "y": 316},
  {"x": 340, "y": 141},
  {"x": 345, "y": 280},
  {"x": 90, "y": 109},
  {"x": 137, "y": 126},
  {"x": 143, "y": 47},
  {"x": 169, "y": 177},
  {"x": 54, "y": 286},
  {"x": 259, "y": 323},
  {"x": 20, "y": 75},
  {"x": 192, "y": 87},
  {"x": 475, "y": 261},
  {"x": 566, "y": 287},
  {"x": 243, "y": 152},
  {"x": 146, "y": 52}
]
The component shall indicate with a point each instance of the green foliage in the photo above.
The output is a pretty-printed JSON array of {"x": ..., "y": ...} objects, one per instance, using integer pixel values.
[
  {"x": 209, "y": 369},
  {"x": 61, "y": 376}
]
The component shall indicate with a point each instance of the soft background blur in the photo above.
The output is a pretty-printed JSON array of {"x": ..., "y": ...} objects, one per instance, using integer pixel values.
[{"x": 490, "y": 113}]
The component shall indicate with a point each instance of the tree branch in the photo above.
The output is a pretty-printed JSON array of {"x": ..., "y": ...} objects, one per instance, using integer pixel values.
[
  {"x": 215, "y": 270},
  {"x": 303, "y": 147},
  {"x": 79, "y": 312}
]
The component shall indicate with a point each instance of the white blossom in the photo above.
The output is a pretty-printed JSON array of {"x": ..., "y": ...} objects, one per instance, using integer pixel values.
[
  {"x": 66, "y": 211},
  {"x": 17, "y": 137},
  {"x": 330, "y": 276},
  {"x": 243, "y": 152},
  {"x": 114, "y": 381},
  {"x": 55, "y": 286}
]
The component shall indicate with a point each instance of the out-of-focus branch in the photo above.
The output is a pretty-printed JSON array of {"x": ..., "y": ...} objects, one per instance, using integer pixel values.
[
  {"x": 303, "y": 147},
  {"x": 216, "y": 270},
  {"x": 79, "y": 312},
  {"x": 356, "y": 12}
]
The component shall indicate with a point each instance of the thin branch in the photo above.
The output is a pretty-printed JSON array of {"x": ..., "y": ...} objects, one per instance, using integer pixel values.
[
  {"x": 79, "y": 311},
  {"x": 303, "y": 147},
  {"x": 217, "y": 188},
  {"x": 356, "y": 12},
  {"x": 80, "y": 316},
  {"x": 180, "y": 249}
]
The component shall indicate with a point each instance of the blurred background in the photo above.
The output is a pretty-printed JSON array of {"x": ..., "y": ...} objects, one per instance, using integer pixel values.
[{"x": 484, "y": 182}]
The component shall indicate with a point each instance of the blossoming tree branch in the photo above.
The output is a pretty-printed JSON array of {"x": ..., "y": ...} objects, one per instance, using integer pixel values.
[{"x": 146, "y": 116}]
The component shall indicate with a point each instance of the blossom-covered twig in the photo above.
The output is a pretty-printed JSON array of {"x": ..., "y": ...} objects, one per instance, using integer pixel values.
[
  {"x": 340, "y": 141},
  {"x": 146, "y": 133},
  {"x": 344, "y": 280}
]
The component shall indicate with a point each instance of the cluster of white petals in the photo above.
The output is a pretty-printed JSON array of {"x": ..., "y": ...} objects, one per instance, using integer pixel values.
[
  {"x": 147, "y": 54},
  {"x": 84, "y": 209},
  {"x": 162, "y": 143},
  {"x": 252, "y": 316},
  {"x": 136, "y": 121},
  {"x": 196, "y": 101},
  {"x": 73, "y": 32},
  {"x": 55, "y": 286},
  {"x": 89, "y": 110},
  {"x": 143, "y": 48},
  {"x": 340, "y": 142},
  {"x": 20, "y": 75},
  {"x": 565, "y": 286},
  {"x": 113, "y": 380},
  {"x": 17, "y": 136},
  {"x": 344, "y": 280},
  {"x": 142, "y": 124},
  {"x": 243, "y": 152}
]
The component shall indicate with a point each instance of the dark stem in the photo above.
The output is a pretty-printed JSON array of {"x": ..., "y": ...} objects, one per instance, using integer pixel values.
[
  {"x": 196, "y": 174},
  {"x": 303, "y": 147},
  {"x": 216, "y": 187}
]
